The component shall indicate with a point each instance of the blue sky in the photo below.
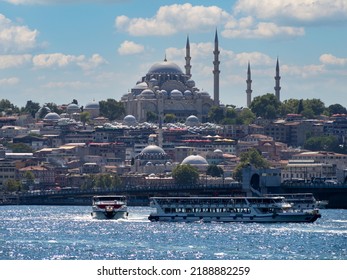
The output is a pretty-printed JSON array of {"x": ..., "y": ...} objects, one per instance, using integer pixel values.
[{"x": 60, "y": 50}]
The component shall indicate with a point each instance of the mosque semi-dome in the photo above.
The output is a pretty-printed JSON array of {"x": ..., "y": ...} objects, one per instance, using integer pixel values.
[
  {"x": 147, "y": 93},
  {"x": 195, "y": 160},
  {"x": 165, "y": 67}
]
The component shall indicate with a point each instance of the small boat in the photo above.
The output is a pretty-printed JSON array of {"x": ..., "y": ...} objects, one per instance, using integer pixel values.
[
  {"x": 228, "y": 209},
  {"x": 109, "y": 207}
]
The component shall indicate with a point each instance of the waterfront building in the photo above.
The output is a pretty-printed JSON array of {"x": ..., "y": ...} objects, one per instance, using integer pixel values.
[{"x": 7, "y": 171}]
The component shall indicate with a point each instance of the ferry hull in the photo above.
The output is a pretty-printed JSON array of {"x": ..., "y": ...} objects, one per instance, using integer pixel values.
[
  {"x": 277, "y": 218},
  {"x": 104, "y": 215}
]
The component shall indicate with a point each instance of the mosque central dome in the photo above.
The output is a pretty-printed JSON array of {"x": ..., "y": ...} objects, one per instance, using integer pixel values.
[{"x": 165, "y": 67}]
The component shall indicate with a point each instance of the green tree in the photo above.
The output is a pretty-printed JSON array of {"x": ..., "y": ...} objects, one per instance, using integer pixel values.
[
  {"x": 266, "y": 106},
  {"x": 12, "y": 185},
  {"x": 31, "y": 108},
  {"x": 7, "y": 107},
  {"x": 85, "y": 117},
  {"x": 245, "y": 116},
  {"x": 152, "y": 117},
  {"x": 54, "y": 108},
  {"x": 252, "y": 157},
  {"x": 20, "y": 148},
  {"x": 216, "y": 114},
  {"x": 313, "y": 105},
  {"x": 185, "y": 175},
  {"x": 322, "y": 143},
  {"x": 336, "y": 109},
  {"x": 214, "y": 170},
  {"x": 169, "y": 118},
  {"x": 112, "y": 109}
]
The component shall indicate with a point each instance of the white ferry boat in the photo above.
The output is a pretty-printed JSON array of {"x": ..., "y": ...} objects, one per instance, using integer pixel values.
[
  {"x": 109, "y": 207},
  {"x": 228, "y": 209},
  {"x": 302, "y": 201}
]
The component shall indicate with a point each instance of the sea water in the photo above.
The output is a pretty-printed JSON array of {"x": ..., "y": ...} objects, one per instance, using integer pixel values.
[{"x": 70, "y": 233}]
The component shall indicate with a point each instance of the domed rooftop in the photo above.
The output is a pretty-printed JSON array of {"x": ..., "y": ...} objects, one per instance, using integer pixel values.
[
  {"x": 141, "y": 85},
  {"x": 129, "y": 120},
  {"x": 52, "y": 117},
  {"x": 192, "y": 121},
  {"x": 153, "y": 149},
  {"x": 92, "y": 105},
  {"x": 176, "y": 94},
  {"x": 195, "y": 160},
  {"x": 147, "y": 93},
  {"x": 165, "y": 67},
  {"x": 72, "y": 108}
]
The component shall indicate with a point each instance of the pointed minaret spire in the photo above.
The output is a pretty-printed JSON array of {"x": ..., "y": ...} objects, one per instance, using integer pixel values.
[
  {"x": 216, "y": 71},
  {"x": 277, "y": 87},
  {"x": 165, "y": 58},
  {"x": 249, "y": 86},
  {"x": 188, "y": 67}
]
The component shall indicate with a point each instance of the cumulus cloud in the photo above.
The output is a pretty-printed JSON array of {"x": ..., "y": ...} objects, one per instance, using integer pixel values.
[
  {"x": 62, "y": 60},
  {"x": 129, "y": 47},
  {"x": 9, "y": 61},
  {"x": 15, "y": 38},
  {"x": 172, "y": 19},
  {"x": 9, "y": 81},
  {"x": 249, "y": 28},
  {"x": 332, "y": 60},
  {"x": 301, "y": 11}
]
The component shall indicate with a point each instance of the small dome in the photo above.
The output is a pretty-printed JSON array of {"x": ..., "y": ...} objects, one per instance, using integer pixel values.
[
  {"x": 191, "y": 83},
  {"x": 52, "y": 117},
  {"x": 204, "y": 94},
  {"x": 152, "y": 149},
  {"x": 176, "y": 94},
  {"x": 218, "y": 151},
  {"x": 147, "y": 93},
  {"x": 141, "y": 85},
  {"x": 188, "y": 93},
  {"x": 195, "y": 160},
  {"x": 72, "y": 108},
  {"x": 129, "y": 120},
  {"x": 92, "y": 105},
  {"x": 192, "y": 121}
]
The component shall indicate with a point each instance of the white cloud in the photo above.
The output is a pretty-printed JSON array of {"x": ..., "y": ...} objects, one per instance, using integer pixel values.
[
  {"x": 93, "y": 62},
  {"x": 70, "y": 85},
  {"x": 172, "y": 19},
  {"x": 9, "y": 81},
  {"x": 63, "y": 60},
  {"x": 247, "y": 28},
  {"x": 333, "y": 60},
  {"x": 9, "y": 61},
  {"x": 15, "y": 38},
  {"x": 129, "y": 47},
  {"x": 301, "y": 11}
]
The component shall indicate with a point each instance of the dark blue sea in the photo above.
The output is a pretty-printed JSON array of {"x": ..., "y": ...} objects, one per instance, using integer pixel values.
[{"x": 69, "y": 233}]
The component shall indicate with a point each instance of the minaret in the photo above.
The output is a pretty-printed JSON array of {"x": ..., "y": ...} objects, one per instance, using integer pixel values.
[
  {"x": 249, "y": 86},
  {"x": 188, "y": 58},
  {"x": 216, "y": 71},
  {"x": 277, "y": 87}
]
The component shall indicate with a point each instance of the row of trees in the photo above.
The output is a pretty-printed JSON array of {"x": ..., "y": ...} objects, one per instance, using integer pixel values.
[{"x": 109, "y": 108}]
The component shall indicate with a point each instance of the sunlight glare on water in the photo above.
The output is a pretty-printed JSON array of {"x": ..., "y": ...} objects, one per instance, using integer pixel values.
[{"x": 67, "y": 233}]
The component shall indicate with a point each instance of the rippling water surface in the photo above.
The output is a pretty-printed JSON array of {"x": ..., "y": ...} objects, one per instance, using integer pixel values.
[{"x": 69, "y": 232}]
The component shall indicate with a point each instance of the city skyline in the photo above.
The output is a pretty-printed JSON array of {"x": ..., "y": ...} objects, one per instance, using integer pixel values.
[{"x": 57, "y": 51}]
